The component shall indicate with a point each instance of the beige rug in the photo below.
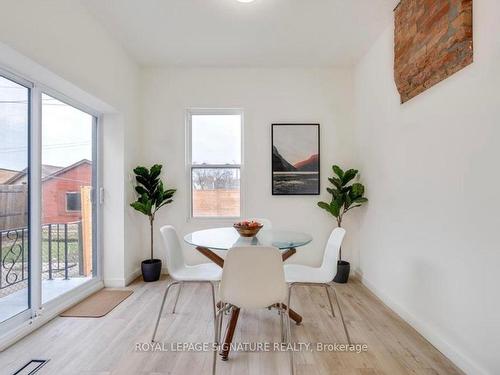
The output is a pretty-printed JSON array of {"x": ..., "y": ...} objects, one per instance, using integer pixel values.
[{"x": 98, "y": 304}]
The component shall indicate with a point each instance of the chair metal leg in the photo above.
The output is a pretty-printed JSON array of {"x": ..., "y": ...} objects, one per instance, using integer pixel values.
[
  {"x": 341, "y": 315},
  {"x": 217, "y": 335},
  {"x": 221, "y": 320},
  {"x": 282, "y": 325},
  {"x": 329, "y": 299},
  {"x": 212, "y": 287},
  {"x": 289, "y": 340},
  {"x": 290, "y": 286},
  {"x": 161, "y": 308},
  {"x": 177, "y": 296}
]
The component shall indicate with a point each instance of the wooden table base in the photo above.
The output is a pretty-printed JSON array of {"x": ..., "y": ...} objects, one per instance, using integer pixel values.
[
  {"x": 228, "y": 339},
  {"x": 235, "y": 311}
]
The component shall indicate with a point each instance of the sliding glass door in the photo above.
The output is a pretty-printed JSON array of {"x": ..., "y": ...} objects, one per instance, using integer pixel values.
[
  {"x": 68, "y": 148},
  {"x": 48, "y": 210},
  {"x": 14, "y": 199}
]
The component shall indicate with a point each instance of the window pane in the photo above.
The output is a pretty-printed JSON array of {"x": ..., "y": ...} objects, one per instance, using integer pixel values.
[
  {"x": 67, "y": 208},
  {"x": 73, "y": 202},
  {"x": 216, "y": 139},
  {"x": 216, "y": 192},
  {"x": 14, "y": 268}
]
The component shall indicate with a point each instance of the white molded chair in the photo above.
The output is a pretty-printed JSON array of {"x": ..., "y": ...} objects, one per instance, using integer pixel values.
[
  {"x": 265, "y": 222},
  {"x": 297, "y": 274},
  {"x": 253, "y": 278},
  {"x": 181, "y": 273}
]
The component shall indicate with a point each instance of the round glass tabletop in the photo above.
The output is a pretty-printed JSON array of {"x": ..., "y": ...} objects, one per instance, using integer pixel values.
[{"x": 225, "y": 238}]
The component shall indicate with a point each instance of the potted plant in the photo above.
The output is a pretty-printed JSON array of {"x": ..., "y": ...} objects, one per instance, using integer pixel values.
[
  {"x": 345, "y": 196},
  {"x": 151, "y": 197}
]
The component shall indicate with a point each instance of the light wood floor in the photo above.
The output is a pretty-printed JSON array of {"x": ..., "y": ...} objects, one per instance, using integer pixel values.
[{"x": 107, "y": 345}]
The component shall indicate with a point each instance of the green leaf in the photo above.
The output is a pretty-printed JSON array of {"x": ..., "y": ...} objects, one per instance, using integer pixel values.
[
  {"x": 334, "y": 192},
  {"x": 357, "y": 190},
  {"x": 142, "y": 207},
  {"x": 336, "y": 182},
  {"x": 170, "y": 192},
  {"x": 348, "y": 201},
  {"x": 337, "y": 205},
  {"x": 338, "y": 171},
  {"x": 324, "y": 206},
  {"x": 140, "y": 190},
  {"x": 155, "y": 171},
  {"x": 348, "y": 176},
  {"x": 158, "y": 193},
  {"x": 142, "y": 171},
  {"x": 163, "y": 204},
  {"x": 143, "y": 181},
  {"x": 144, "y": 198},
  {"x": 360, "y": 200},
  {"x": 345, "y": 190}
]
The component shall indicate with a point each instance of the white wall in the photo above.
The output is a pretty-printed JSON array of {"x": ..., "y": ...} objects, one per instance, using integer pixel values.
[
  {"x": 267, "y": 96},
  {"x": 88, "y": 65},
  {"x": 429, "y": 238}
]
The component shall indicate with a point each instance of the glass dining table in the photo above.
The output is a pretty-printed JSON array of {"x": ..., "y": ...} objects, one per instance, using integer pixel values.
[
  {"x": 208, "y": 240},
  {"x": 225, "y": 238}
]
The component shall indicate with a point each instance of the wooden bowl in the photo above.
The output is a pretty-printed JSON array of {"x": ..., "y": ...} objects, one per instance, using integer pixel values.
[{"x": 247, "y": 231}]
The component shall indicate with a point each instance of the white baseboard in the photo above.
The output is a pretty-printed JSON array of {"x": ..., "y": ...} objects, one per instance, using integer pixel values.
[
  {"x": 121, "y": 283},
  {"x": 47, "y": 315},
  {"x": 134, "y": 275},
  {"x": 114, "y": 283},
  {"x": 430, "y": 334}
]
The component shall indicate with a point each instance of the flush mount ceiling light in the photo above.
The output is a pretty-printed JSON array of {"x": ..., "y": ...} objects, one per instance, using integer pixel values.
[{"x": 245, "y": 1}]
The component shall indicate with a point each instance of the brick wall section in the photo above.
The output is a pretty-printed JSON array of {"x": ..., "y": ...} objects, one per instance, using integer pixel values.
[
  {"x": 432, "y": 40},
  {"x": 54, "y": 193}
]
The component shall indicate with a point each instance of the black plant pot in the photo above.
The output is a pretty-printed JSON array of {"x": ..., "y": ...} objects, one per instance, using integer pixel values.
[
  {"x": 151, "y": 269},
  {"x": 343, "y": 269}
]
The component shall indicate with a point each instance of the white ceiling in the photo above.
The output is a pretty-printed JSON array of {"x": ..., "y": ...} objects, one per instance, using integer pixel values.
[{"x": 228, "y": 33}]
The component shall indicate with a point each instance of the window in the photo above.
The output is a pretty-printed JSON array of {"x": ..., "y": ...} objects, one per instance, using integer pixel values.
[
  {"x": 214, "y": 162},
  {"x": 73, "y": 201}
]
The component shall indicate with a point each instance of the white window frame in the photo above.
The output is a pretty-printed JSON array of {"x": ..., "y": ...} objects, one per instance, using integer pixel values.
[{"x": 189, "y": 165}]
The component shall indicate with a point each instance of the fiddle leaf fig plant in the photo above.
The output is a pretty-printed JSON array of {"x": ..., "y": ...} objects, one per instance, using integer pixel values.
[
  {"x": 346, "y": 195},
  {"x": 152, "y": 195}
]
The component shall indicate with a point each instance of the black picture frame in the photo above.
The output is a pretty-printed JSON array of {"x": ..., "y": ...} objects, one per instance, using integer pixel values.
[{"x": 284, "y": 187}]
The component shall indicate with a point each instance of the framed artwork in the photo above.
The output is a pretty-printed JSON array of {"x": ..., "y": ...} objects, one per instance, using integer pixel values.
[{"x": 295, "y": 159}]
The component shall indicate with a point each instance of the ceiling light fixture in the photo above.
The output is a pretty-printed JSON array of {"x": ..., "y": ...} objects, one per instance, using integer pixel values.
[{"x": 245, "y": 1}]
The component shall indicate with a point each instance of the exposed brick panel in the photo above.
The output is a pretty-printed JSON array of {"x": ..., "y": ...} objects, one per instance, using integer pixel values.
[{"x": 432, "y": 41}]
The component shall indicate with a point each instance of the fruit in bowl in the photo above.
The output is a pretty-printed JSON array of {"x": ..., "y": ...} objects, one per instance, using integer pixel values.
[{"x": 248, "y": 228}]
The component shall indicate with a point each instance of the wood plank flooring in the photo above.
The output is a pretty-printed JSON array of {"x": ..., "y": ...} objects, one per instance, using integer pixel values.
[{"x": 107, "y": 346}]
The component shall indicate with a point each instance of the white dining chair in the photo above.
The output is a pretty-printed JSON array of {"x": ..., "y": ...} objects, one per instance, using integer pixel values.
[
  {"x": 267, "y": 224},
  {"x": 252, "y": 278},
  {"x": 181, "y": 273},
  {"x": 322, "y": 276}
]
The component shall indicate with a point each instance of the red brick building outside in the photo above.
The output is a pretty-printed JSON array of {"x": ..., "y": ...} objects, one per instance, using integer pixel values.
[
  {"x": 61, "y": 190},
  {"x": 61, "y": 200}
]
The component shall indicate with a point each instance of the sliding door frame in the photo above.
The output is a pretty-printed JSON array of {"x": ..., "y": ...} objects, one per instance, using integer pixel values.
[
  {"x": 96, "y": 206},
  {"x": 18, "y": 319},
  {"x": 35, "y": 307}
]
